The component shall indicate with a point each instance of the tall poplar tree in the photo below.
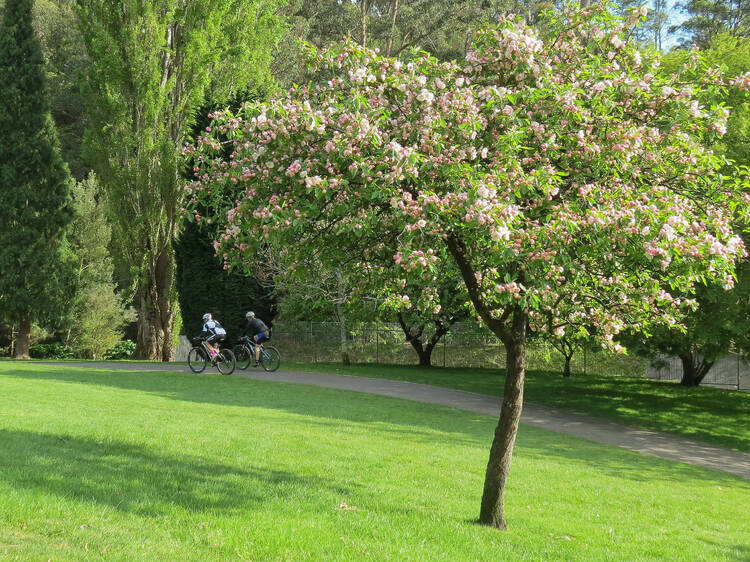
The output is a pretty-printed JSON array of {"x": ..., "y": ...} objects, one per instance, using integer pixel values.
[
  {"x": 34, "y": 184},
  {"x": 154, "y": 64}
]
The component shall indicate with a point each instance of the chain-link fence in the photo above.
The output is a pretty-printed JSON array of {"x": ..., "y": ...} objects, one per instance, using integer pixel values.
[
  {"x": 731, "y": 372},
  {"x": 466, "y": 345}
]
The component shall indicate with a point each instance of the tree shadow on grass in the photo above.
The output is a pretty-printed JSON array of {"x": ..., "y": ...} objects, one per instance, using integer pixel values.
[
  {"x": 306, "y": 400},
  {"x": 740, "y": 552},
  {"x": 617, "y": 462},
  {"x": 661, "y": 405},
  {"x": 330, "y": 408},
  {"x": 137, "y": 480}
]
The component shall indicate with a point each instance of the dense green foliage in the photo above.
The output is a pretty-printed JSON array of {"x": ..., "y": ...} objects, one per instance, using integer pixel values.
[
  {"x": 36, "y": 278},
  {"x": 122, "y": 350},
  {"x": 65, "y": 64},
  {"x": 55, "y": 350},
  {"x": 99, "y": 312}
]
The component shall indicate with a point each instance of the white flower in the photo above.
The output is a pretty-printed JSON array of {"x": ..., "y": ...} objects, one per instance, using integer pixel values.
[
  {"x": 359, "y": 74},
  {"x": 500, "y": 232},
  {"x": 617, "y": 43},
  {"x": 426, "y": 96}
]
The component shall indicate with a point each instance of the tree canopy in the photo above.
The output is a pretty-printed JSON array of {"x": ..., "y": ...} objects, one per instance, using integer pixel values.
[{"x": 560, "y": 173}]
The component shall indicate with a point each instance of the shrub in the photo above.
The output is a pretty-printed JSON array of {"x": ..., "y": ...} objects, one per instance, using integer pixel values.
[
  {"x": 122, "y": 350},
  {"x": 55, "y": 350}
]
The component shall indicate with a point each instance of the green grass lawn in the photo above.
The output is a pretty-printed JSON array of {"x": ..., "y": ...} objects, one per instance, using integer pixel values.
[
  {"x": 105, "y": 464},
  {"x": 712, "y": 415}
]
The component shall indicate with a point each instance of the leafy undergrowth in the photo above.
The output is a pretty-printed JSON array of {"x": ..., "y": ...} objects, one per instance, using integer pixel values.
[{"x": 101, "y": 463}]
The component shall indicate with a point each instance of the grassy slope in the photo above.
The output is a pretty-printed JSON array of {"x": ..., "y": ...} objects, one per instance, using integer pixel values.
[
  {"x": 143, "y": 466},
  {"x": 712, "y": 415}
]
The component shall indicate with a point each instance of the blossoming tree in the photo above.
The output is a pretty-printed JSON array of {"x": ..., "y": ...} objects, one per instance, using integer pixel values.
[{"x": 566, "y": 181}]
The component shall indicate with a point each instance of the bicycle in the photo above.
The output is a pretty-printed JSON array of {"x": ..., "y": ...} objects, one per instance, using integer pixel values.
[
  {"x": 198, "y": 358},
  {"x": 245, "y": 353}
]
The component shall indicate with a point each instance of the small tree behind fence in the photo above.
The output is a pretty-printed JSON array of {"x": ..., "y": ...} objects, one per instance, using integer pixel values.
[
  {"x": 466, "y": 345},
  {"x": 731, "y": 372}
]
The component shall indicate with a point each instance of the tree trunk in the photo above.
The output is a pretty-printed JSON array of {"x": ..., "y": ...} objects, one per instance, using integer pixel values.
[
  {"x": 423, "y": 352},
  {"x": 364, "y": 9},
  {"x": 23, "y": 338},
  {"x": 392, "y": 34},
  {"x": 415, "y": 340},
  {"x": 694, "y": 369},
  {"x": 157, "y": 310},
  {"x": 343, "y": 339},
  {"x": 440, "y": 331},
  {"x": 425, "y": 356},
  {"x": 492, "y": 512},
  {"x": 343, "y": 332},
  {"x": 566, "y": 368}
]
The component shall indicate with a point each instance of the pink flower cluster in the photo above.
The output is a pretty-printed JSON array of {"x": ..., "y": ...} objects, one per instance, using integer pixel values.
[{"x": 570, "y": 180}]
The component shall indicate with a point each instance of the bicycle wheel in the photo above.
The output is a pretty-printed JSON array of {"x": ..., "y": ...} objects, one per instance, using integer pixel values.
[
  {"x": 225, "y": 362},
  {"x": 242, "y": 355},
  {"x": 270, "y": 358},
  {"x": 197, "y": 360}
]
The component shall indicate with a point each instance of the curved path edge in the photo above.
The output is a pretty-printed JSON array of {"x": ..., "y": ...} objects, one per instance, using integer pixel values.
[{"x": 597, "y": 430}]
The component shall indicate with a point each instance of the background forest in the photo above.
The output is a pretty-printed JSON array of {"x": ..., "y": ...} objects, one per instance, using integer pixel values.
[{"x": 121, "y": 272}]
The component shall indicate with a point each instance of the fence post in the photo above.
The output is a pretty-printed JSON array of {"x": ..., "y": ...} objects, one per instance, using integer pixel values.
[
  {"x": 377, "y": 345},
  {"x": 584, "y": 361},
  {"x": 443, "y": 351},
  {"x": 312, "y": 342}
]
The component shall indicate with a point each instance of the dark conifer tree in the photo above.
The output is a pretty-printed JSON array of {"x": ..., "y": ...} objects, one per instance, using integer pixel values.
[{"x": 34, "y": 185}]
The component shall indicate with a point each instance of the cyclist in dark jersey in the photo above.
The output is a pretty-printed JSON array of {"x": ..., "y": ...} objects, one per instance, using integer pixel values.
[{"x": 257, "y": 330}]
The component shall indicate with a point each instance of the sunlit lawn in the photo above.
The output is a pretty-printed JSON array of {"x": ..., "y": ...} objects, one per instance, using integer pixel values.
[
  {"x": 716, "y": 416},
  {"x": 104, "y": 464}
]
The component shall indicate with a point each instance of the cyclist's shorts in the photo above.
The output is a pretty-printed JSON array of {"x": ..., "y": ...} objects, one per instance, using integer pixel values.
[
  {"x": 263, "y": 336},
  {"x": 216, "y": 337}
]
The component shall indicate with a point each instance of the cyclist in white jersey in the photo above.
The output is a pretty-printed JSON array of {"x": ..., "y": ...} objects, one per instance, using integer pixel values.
[{"x": 213, "y": 332}]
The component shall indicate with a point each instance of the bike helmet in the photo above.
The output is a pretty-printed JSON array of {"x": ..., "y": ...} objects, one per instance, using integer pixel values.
[
  {"x": 207, "y": 317},
  {"x": 250, "y": 314}
]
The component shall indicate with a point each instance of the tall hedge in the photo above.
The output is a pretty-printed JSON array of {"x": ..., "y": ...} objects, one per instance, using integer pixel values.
[{"x": 204, "y": 286}]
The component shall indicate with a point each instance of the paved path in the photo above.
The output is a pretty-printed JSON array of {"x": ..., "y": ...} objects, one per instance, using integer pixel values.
[{"x": 635, "y": 439}]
